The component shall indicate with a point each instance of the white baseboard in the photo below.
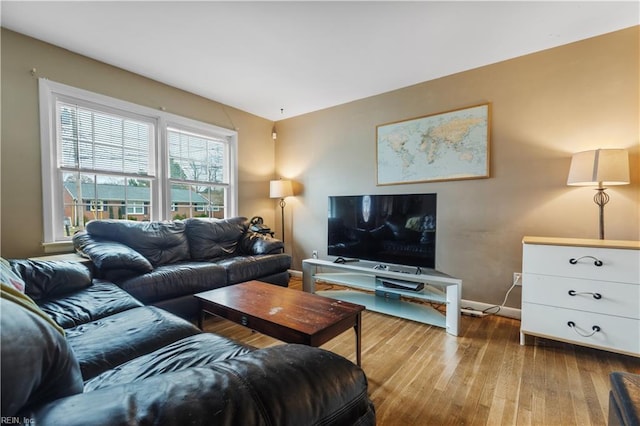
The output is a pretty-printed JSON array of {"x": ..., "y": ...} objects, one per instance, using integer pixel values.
[{"x": 478, "y": 306}]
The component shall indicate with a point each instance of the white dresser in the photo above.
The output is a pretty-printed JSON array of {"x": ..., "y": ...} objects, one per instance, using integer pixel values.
[{"x": 582, "y": 291}]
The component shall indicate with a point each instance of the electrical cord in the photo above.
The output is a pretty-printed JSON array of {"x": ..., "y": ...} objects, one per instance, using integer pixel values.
[{"x": 485, "y": 311}]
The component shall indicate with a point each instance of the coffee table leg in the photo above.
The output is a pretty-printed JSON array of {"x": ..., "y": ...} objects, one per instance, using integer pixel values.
[
  {"x": 358, "y": 328},
  {"x": 201, "y": 319}
]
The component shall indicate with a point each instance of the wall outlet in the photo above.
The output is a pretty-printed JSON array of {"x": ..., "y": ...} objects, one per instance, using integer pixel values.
[
  {"x": 517, "y": 278},
  {"x": 314, "y": 254}
]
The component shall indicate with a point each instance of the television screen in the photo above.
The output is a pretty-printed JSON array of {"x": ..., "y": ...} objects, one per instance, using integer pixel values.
[{"x": 396, "y": 229}]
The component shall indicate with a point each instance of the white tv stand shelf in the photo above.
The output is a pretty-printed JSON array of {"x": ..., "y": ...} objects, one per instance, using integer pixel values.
[{"x": 438, "y": 287}]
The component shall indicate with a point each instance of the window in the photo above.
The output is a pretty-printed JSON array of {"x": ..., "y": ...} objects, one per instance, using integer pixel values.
[
  {"x": 103, "y": 158},
  {"x": 197, "y": 166},
  {"x": 135, "y": 208},
  {"x": 96, "y": 206}
]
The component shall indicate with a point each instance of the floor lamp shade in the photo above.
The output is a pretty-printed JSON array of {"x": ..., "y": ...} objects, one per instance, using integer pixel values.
[
  {"x": 598, "y": 168},
  {"x": 281, "y": 189}
]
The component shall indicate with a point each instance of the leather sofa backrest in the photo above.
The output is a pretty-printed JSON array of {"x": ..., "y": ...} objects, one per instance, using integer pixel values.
[
  {"x": 214, "y": 238},
  {"x": 161, "y": 243}
]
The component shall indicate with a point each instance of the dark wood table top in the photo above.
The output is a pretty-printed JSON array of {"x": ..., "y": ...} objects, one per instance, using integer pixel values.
[{"x": 289, "y": 315}]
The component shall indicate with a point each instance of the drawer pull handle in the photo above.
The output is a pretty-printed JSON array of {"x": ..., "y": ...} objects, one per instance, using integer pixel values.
[
  {"x": 595, "y": 329},
  {"x": 596, "y": 261},
  {"x": 596, "y": 296}
]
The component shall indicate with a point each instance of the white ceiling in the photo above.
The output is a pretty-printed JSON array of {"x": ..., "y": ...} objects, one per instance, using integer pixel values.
[{"x": 304, "y": 56}]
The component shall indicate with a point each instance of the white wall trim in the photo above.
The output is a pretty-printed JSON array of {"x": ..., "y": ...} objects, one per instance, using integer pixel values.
[
  {"x": 480, "y": 306},
  {"x": 294, "y": 273}
]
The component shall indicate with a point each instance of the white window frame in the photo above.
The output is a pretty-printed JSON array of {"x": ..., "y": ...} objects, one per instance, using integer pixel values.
[{"x": 53, "y": 213}]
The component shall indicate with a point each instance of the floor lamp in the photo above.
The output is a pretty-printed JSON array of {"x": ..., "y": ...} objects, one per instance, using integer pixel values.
[
  {"x": 281, "y": 189},
  {"x": 599, "y": 167}
]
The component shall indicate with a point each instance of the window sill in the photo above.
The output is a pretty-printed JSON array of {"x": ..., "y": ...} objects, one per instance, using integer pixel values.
[{"x": 58, "y": 247}]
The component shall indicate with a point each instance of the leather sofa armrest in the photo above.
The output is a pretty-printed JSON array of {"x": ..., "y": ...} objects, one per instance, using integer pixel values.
[
  {"x": 253, "y": 243},
  {"x": 283, "y": 385},
  {"x": 110, "y": 255}
]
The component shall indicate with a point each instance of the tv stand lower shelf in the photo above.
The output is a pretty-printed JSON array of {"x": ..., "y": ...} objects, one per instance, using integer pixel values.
[
  {"x": 389, "y": 306},
  {"x": 439, "y": 288}
]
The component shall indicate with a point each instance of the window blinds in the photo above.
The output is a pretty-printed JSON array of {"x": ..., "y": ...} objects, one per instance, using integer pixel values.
[{"x": 102, "y": 142}]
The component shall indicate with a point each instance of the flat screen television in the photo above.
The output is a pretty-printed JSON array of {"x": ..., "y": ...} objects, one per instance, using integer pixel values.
[{"x": 397, "y": 229}]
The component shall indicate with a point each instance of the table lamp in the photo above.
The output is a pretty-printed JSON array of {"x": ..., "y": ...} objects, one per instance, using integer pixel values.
[
  {"x": 599, "y": 167},
  {"x": 281, "y": 189}
]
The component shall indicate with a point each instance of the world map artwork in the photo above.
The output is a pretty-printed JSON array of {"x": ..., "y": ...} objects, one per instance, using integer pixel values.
[{"x": 447, "y": 146}]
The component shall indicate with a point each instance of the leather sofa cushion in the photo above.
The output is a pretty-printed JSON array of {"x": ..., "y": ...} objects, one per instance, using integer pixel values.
[
  {"x": 246, "y": 268},
  {"x": 99, "y": 300},
  {"x": 171, "y": 281},
  {"x": 37, "y": 365},
  {"x": 112, "y": 259},
  {"x": 9, "y": 277},
  {"x": 108, "y": 342},
  {"x": 280, "y": 385},
  {"x": 194, "y": 351},
  {"x": 161, "y": 243},
  {"x": 48, "y": 279},
  {"x": 328, "y": 389},
  {"x": 214, "y": 238}
]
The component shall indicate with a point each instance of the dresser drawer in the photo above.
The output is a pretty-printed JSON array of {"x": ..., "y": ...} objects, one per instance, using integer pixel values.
[
  {"x": 604, "y": 297},
  {"x": 618, "y": 265},
  {"x": 616, "y": 333}
]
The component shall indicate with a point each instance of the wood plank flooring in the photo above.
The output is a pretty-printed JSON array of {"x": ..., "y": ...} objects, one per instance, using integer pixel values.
[{"x": 420, "y": 375}]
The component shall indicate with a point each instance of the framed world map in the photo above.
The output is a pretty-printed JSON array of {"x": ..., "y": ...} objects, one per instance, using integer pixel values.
[{"x": 450, "y": 145}]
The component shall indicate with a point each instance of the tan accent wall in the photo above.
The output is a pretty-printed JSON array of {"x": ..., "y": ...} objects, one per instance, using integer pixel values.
[
  {"x": 21, "y": 180},
  {"x": 545, "y": 106}
]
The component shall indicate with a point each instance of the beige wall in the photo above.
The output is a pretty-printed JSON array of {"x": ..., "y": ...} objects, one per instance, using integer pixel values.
[
  {"x": 546, "y": 106},
  {"x": 21, "y": 181}
]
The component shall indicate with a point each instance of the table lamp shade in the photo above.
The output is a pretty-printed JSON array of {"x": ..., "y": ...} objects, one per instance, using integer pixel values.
[
  {"x": 280, "y": 189},
  {"x": 599, "y": 167}
]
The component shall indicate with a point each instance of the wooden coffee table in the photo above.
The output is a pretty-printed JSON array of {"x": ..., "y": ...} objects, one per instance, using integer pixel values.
[{"x": 289, "y": 315}]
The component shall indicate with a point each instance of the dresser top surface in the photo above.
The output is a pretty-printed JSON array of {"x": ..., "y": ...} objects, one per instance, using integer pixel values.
[{"x": 583, "y": 242}]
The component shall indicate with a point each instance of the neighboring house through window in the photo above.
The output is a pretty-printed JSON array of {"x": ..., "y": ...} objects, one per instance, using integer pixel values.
[{"x": 104, "y": 158}]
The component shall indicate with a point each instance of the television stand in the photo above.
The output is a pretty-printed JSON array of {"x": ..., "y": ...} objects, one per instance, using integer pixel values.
[{"x": 438, "y": 287}]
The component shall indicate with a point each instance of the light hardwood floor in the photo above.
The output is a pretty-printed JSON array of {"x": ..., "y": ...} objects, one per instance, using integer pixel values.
[{"x": 420, "y": 375}]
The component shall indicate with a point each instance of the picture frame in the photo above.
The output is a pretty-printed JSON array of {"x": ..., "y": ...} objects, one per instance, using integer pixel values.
[{"x": 445, "y": 146}]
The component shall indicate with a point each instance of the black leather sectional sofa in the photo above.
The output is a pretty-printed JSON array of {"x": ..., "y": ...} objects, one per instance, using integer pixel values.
[
  {"x": 165, "y": 263},
  {"x": 88, "y": 353}
]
